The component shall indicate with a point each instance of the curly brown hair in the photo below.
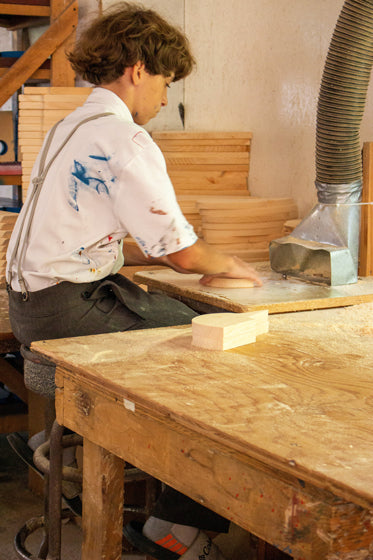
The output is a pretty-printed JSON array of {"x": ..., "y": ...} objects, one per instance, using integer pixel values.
[{"x": 125, "y": 34}]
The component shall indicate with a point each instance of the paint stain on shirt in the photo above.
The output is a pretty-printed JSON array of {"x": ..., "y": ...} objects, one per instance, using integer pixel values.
[
  {"x": 160, "y": 212},
  {"x": 100, "y": 158},
  {"x": 94, "y": 180}
]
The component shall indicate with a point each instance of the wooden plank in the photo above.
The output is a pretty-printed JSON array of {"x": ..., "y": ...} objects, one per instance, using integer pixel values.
[
  {"x": 24, "y": 10},
  {"x": 13, "y": 423},
  {"x": 171, "y": 147},
  {"x": 254, "y": 226},
  {"x": 40, "y": 74},
  {"x": 277, "y": 295},
  {"x": 195, "y": 135},
  {"x": 60, "y": 90},
  {"x": 62, "y": 73},
  {"x": 366, "y": 220},
  {"x": 37, "y": 53},
  {"x": 8, "y": 342},
  {"x": 10, "y": 180},
  {"x": 192, "y": 179},
  {"x": 103, "y": 492},
  {"x": 13, "y": 379},
  {"x": 245, "y": 203},
  {"x": 207, "y": 168},
  {"x": 205, "y": 158}
]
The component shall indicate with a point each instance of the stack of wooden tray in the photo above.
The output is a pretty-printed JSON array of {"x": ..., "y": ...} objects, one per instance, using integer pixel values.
[
  {"x": 7, "y": 221},
  {"x": 244, "y": 225},
  {"x": 204, "y": 163},
  {"x": 39, "y": 109}
]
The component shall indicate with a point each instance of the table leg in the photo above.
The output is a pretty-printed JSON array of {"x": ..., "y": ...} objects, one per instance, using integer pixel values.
[{"x": 103, "y": 491}]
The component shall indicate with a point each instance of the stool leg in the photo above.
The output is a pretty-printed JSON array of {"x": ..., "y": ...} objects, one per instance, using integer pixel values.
[{"x": 55, "y": 492}]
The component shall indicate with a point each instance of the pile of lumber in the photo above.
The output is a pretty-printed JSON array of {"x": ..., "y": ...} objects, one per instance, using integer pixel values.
[
  {"x": 200, "y": 163},
  {"x": 39, "y": 109},
  {"x": 205, "y": 163},
  {"x": 7, "y": 221},
  {"x": 244, "y": 225}
]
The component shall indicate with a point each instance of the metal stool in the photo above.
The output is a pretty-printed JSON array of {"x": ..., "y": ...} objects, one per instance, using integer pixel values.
[{"x": 39, "y": 376}]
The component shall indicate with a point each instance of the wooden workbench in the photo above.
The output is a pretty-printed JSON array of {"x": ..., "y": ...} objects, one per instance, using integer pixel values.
[
  {"x": 277, "y": 294},
  {"x": 10, "y": 420},
  {"x": 276, "y": 436}
]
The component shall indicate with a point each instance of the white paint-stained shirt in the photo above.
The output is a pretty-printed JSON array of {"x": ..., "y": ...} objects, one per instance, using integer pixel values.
[{"x": 110, "y": 180}]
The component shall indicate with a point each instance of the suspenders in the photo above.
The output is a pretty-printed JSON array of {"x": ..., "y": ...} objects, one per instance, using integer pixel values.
[{"x": 29, "y": 211}]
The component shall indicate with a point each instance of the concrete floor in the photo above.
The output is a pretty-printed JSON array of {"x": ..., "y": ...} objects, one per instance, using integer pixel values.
[{"x": 18, "y": 504}]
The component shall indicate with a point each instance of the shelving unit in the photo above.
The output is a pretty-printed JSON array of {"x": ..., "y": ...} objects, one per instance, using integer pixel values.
[
  {"x": 61, "y": 18},
  {"x": 42, "y": 62}
]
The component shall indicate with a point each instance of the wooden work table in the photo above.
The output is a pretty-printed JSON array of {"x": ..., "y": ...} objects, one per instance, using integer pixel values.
[
  {"x": 278, "y": 294},
  {"x": 276, "y": 436}
]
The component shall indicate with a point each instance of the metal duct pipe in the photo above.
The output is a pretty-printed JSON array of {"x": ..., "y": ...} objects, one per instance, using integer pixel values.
[{"x": 325, "y": 246}]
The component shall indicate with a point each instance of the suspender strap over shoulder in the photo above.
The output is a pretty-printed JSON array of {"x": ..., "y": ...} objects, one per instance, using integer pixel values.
[{"x": 29, "y": 211}]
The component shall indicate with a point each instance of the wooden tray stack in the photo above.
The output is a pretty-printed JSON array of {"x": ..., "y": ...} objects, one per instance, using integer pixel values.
[
  {"x": 244, "y": 225},
  {"x": 205, "y": 163},
  {"x": 7, "y": 221},
  {"x": 39, "y": 109},
  {"x": 290, "y": 226}
]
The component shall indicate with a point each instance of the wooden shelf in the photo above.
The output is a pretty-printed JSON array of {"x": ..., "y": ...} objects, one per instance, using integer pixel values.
[
  {"x": 27, "y": 13},
  {"x": 41, "y": 74},
  {"x": 50, "y": 45},
  {"x": 24, "y": 9}
]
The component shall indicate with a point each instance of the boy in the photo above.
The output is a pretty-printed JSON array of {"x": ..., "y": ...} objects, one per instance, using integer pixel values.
[{"x": 99, "y": 177}]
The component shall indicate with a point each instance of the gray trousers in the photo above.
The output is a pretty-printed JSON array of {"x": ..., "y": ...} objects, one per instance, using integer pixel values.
[{"x": 109, "y": 305}]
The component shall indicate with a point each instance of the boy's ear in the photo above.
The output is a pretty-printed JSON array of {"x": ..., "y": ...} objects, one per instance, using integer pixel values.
[{"x": 137, "y": 71}]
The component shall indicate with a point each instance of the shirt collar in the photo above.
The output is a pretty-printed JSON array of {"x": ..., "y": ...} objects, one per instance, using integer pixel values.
[{"x": 109, "y": 101}]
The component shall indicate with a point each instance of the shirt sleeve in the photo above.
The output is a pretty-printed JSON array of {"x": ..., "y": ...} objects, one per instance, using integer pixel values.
[{"x": 146, "y": 204}]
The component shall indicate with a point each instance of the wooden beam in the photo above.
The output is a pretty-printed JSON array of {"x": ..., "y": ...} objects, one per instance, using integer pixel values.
[
  {"x": 44, "y": 47},
  {"x": 62, "y": 73},
  {"x": 366, "y": 220},
  {"x": 24, "y": 9}
]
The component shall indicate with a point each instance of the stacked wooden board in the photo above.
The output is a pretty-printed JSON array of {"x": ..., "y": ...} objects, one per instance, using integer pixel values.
[
  {"x": 244, "y": 225},
  {"x": 39, "y": 109},
  {"x": 7, "y": 221},
  {"x": 200, "y": 163},
  {"x": 205, "y": 163}
]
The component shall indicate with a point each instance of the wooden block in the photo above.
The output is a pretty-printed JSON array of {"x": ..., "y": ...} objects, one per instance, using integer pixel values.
[{"x": 222, "y": 331}]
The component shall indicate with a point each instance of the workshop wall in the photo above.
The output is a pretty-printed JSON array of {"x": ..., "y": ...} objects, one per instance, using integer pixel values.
[
  {"x": 259, "y": 69},
  {"x": 260, "y": 64}
]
